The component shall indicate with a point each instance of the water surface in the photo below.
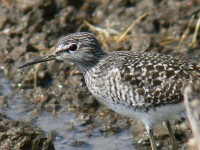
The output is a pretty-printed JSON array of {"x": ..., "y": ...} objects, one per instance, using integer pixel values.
[{"x": 19, "y": 109}]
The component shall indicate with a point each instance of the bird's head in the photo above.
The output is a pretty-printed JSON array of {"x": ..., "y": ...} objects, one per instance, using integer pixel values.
[{"x": 81, "y": 48}]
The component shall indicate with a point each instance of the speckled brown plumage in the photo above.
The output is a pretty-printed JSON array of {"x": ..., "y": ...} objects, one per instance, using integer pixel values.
[{"x": 155, "y": 79}]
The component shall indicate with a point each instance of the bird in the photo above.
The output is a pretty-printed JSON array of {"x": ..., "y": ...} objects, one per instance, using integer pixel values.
[{"x": 144, "y": 85}]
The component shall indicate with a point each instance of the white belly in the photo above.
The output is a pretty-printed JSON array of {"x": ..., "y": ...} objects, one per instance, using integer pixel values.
[{"x": 152, "y": 116}]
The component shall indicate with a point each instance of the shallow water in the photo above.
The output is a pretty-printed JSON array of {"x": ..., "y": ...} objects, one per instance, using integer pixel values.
[{"x": 19, "y": 109}]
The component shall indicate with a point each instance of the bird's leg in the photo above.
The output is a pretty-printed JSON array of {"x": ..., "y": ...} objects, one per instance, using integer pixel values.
[
  {"x": 152, "y": 138},
  {"x": 172, "y": 137}
]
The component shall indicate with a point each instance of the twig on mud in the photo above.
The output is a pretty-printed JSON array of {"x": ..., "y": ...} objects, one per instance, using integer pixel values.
[
  {"x": 6, "y": 3},
  {"x": 131, "y": 26},
  {"x": 166, "y": 40},
  {"x": 25, "y": 79},
  {"x": 104, "y": 31},
  {"x": 35, "y": 75},
  {"x": 112, "y": 34},
  {"x": 37, "y": 66},
  {"x": 186, "y": 32},
  {"x": 194, "y": 40}
]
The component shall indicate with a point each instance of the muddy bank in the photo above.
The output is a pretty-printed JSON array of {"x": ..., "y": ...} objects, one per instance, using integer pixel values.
[
  {"x": 21, "y": 135},
  {"x": 29, "y": 29}
]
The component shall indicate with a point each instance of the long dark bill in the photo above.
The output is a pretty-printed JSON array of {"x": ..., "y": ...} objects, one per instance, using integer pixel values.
[{"x": 39, "y": 60}]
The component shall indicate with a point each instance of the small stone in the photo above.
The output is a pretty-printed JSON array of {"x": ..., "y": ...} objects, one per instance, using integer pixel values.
[
  {"x": 3, "y": 101},
  {"x": 79, "y": 144}
]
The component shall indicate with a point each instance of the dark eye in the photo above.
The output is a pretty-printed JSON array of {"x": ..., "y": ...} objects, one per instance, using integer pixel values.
[
  {"x": 73, "y": 47},
  {"x": 66, "y": 48}
]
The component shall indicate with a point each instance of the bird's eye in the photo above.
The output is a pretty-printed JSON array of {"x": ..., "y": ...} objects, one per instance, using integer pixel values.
[
  {"x": 73, "y": 47},
  {"x": 70, "y": 48}
]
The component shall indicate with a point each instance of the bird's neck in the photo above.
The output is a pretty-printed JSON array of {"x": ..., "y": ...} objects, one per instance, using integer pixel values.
[
  {"x": 90, "y": 62},
  {"x": 87, "y": 66}
]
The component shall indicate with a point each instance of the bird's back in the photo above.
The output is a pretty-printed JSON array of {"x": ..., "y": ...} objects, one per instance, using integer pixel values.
[{"x": 140, "y": 79}]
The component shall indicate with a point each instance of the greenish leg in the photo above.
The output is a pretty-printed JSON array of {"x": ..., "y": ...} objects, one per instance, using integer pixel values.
[
  {"x": 152, "y": 138},
  {"x": 171, "y": 134}
]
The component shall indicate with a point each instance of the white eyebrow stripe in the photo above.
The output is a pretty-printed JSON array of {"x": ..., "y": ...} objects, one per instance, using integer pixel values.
[
  {"x": 59, "y": 48},
  {"x": 64, "y": 47}
]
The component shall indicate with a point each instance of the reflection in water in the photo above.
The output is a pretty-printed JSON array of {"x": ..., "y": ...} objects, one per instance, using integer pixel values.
[{"x": 19, "y": 109}]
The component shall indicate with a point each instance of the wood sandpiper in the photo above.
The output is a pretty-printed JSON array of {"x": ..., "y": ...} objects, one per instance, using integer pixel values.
[{"x": 144, "y": 85}]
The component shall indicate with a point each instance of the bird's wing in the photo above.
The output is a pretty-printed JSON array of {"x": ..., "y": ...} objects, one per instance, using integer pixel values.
[{"x": 159, "y": 79}]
